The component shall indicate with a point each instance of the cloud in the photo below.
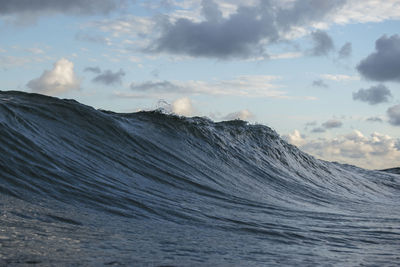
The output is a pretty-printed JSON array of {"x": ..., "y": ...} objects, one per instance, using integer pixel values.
[
  {"x": 295, "y": 138},
  {"x": 363, "y": 11},
  {"x": 333, "y": 123},
  {"x": 239, "y": 36},
  {"x": 346, "y": 50},
  {"x": 211, "y": 11},
  {"x": 318, "y": 130},
  {"x": 244, "y": 115},
  {"x": 35, "y": 50},
  {"x": 183, "y": 106},
  {"x": 96, "y": 70},
  {"x": 60, "y": 79},
  {"x": 340, "y": 77},
  {"x": 238, "y": 29},
  {"x": 383, "y": 64},
  {"x": 132, "y": 26},
  {"x": 378, "y": 151},
  {"x": 394, "y": 115},
  {"x": 374, "y": 119},
  {"x": 319, "y": 83},
  {"x": 244, "y": 33},
  {"x": 397, "y": 145},
  {"x": 92, "y": 38},
  {"x": 330, "y": 124},
  {"x": 288, "y": 55},
  {"x": 158, "y": 87},
  {"x": 245, "y": 85},
  {"x": 374, "y": 95},
  {"x": 109, "y": 78},
  {"x": 323, "y": 43},
  {"x": 8, "y": 61},
  {"x": 311, "y": 123},
  {"x": 76, "y": 7}
]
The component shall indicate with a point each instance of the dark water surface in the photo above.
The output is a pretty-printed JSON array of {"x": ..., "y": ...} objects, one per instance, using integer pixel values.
[{"x": 80, "y": 186}]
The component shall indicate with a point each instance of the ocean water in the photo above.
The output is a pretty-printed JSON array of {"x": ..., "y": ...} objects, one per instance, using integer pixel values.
[{"x": 87, "y": 187}]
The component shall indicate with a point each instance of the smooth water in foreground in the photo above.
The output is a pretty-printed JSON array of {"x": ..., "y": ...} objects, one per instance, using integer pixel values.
[{"x": 80, "y": 186}]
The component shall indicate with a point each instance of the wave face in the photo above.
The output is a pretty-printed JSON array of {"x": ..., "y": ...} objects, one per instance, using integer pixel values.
[{"x": 90, "y": 187}]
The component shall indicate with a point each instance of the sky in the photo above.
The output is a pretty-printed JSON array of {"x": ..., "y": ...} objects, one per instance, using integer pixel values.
[{"x": 325, "y": 74}]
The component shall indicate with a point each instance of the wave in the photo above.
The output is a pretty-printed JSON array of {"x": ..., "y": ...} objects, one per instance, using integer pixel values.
[{"x": 233, "y": 177}]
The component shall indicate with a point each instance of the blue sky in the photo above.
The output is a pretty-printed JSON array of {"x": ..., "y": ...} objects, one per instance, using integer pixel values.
[{"x": 324, "y": 74}]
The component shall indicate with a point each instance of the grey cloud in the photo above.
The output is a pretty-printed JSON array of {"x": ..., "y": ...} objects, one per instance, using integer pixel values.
[
  {"x": 163, "y": 86},
  {"x": 384, "y": 63},
  {"x": 374, "y": 95},
  {"x": 155, "y": 73},
  {"x": 397, "y": 145},
  {"x": 96, "y": 70},
  {"x": 238, "y": 36},
  {"x": 311, "y": 123},
  {"x": 323, "y": 43},
  {"x": 346, "y": 50},
  {"x": 242, "y": 34},
  {"x": 332, "y": 124},
  {"x": 319, "y": 83},
  {"x": 77, "y": 7},
  {"x": 394, "y": 115},
  {"x": 109, "y": 78},
  {"x": 318, "y": 130},
  {"x": 304, "y": 12},
  {"x": 374, "y": 119},
  {"x": 211, "y": 11}
]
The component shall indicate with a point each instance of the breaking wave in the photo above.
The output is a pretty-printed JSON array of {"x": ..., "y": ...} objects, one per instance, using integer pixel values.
[{"x": 86, "y": 186}]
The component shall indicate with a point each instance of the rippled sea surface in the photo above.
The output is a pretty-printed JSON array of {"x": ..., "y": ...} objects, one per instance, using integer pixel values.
[{"x": 80, "y": 186}]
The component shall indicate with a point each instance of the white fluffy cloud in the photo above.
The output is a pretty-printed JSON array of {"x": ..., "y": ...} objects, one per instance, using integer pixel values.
[
  {"x": 183, "y": 106},
  {"x": 241, "y": 115},
  {"x": 60, "y": 79},
  {"x": 377, "y": 151}
]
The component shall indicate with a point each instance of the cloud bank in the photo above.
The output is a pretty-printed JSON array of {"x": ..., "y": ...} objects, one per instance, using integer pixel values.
[
  {"x": 243, "y": 33},
  {"x": 378, "y": 151}
]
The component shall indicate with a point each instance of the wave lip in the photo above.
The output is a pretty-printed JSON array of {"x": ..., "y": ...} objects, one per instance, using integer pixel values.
[{"x": 190, "y": 174}]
